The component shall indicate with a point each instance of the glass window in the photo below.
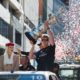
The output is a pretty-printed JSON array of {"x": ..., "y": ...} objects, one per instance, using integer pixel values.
[
  {"x": 18, "y": 37},
  {"x": 4, "y": 27},
  {"x": 6, "y": 30},
  {"x": 67, "y": 73},
  {"x": 28, "y": 22},
  {"x": 10, "y": 33}
]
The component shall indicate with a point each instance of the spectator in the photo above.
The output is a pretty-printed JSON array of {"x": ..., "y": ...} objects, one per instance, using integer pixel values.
[
  {"x": 25, "y": 63},
  {"x": 9, "y": 61},
  {"x": 56, "y": 69}
]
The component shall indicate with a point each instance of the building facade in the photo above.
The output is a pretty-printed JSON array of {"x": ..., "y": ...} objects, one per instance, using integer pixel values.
[
  {"x": 16, "y": 17},
  {"x": 11, "y": 29}
]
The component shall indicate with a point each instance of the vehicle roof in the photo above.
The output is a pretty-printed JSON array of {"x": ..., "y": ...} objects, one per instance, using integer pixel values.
[{"x": 27, "y": 72}]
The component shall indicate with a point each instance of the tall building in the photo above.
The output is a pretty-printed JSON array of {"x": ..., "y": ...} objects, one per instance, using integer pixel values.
[{"x": 11, "y": 29}]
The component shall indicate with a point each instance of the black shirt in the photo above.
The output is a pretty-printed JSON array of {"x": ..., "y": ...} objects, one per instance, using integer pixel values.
[
  {"x": 45, "y": 58},
  {"x": 28, "y": 68}
]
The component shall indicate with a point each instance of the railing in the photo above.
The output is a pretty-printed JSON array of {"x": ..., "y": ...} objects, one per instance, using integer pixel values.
[
  {"x": 15, "y": 4},
  {"x": 15, "y": 22},
  {"x": 4, "y": 14}
]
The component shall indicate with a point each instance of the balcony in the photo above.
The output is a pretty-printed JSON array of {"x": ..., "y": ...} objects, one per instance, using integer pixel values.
[
  {"x": 17, "y": 6},
  {"x": 15, "y": 22},
  {"x": 4, "y": 14}
]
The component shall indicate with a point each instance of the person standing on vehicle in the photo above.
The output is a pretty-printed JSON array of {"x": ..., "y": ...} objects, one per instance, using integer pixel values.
[{"x": 46, "y": 55}]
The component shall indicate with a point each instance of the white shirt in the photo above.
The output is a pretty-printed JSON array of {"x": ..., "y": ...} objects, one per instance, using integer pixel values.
[{"x": 8, "y": 60}]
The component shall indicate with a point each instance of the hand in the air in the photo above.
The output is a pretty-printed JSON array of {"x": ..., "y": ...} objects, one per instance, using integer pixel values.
[
  {"x": 46, "y": 24},
  {"x": 31, "y": 42}
]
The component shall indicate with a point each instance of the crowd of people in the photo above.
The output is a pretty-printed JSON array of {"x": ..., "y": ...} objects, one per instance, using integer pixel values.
[{"x": 44, "y": 57}]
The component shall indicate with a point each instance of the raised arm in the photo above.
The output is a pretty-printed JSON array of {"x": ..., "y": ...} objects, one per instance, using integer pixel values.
[
  {"x": 50, "y": 33},
  {"x": 31, "y": 53}
]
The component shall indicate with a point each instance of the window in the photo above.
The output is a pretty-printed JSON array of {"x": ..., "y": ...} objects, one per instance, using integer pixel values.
[
  {"x": 18, "y": 0},
  {"x": 18, "y": 37},
  {"x": 66, "y": 73},
  {"x": 1, "y": 51},
  {"x": 10, "y": 33},
  {"x": 28, "y": 22},
  {"x": 6, "y": 30}
]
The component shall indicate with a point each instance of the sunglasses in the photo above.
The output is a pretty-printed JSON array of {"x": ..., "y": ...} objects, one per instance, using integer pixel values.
[{"x": 44, "y": 39}]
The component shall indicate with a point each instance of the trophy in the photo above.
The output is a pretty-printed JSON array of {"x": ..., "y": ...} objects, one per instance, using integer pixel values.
[
  {"x": 52, "y": 19},
  {"x": 34, "y": 35},
  {"x": 31, "y": 36},
  {"x": 37, "y": 32}
]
